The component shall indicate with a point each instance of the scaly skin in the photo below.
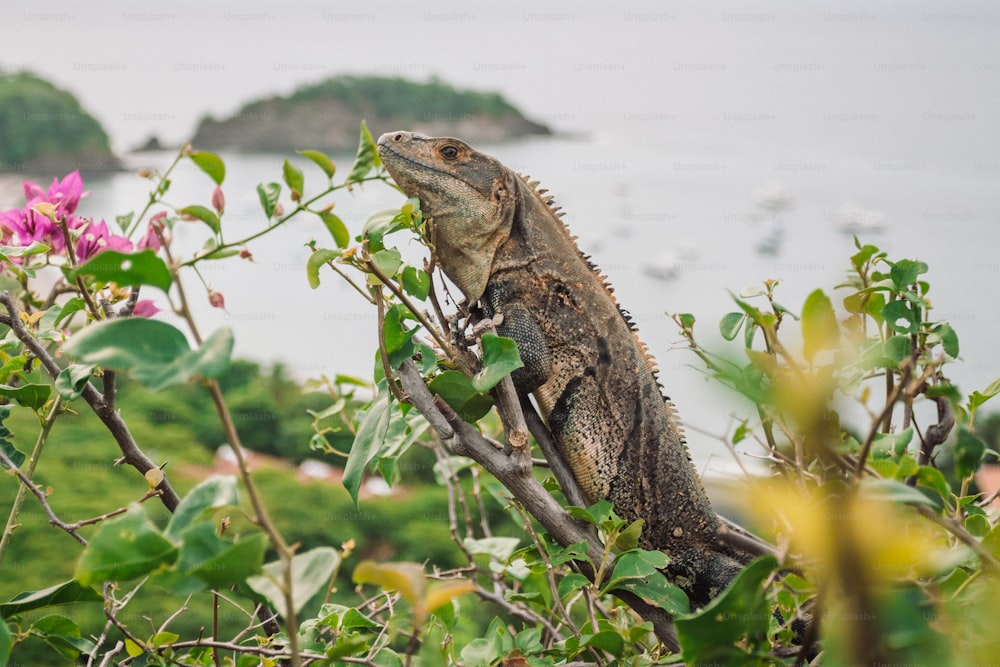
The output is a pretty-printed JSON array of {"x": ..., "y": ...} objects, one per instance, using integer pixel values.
[{"x": 504, "y": 246}]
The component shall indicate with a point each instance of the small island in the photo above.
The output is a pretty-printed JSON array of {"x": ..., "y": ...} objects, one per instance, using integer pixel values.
[
  {"x": 325, "y": 116},
  {"x": 45, "y": 131}
]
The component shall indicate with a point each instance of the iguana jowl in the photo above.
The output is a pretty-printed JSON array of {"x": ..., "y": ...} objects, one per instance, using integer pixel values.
[{"x": 502, "y": 243}]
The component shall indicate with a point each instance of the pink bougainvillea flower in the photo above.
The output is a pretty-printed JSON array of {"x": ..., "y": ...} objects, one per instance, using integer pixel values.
[
  {"x": 96, "y": 238},
  {"x": 151, "y": 239},
  {"x": 24, "y": 227},
  {"x": 145, "y": 308},
  {"x": 64, "y": 194}
]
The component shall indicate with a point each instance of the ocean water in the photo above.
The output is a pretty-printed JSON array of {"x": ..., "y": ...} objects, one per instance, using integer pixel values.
[{"x": 700, "y": 148}]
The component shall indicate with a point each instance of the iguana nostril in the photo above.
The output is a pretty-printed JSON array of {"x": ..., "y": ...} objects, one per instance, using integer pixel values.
[{"x": 398, "y": 136}]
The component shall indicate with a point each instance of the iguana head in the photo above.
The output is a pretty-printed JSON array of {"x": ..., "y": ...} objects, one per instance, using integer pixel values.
[{"x": 468, "y": 197}]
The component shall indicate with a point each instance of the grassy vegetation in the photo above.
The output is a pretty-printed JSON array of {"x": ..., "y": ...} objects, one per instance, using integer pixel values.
[
  {"x": 180, "y": 427},
  {"x": 44, "y": 128}
]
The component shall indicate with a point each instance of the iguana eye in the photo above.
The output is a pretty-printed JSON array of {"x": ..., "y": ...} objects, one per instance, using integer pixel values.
[{"x": 449, "y": 152}]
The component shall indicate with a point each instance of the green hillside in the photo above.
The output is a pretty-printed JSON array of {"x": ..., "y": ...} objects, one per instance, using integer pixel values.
[
  {"x": 326, "y": 115},
  {"x": 44, "y": 130}
]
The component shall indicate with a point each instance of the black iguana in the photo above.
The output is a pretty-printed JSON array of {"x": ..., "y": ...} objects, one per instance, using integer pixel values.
[{"x": 502, "y": 243}]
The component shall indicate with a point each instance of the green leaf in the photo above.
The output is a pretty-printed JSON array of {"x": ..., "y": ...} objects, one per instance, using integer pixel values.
[
  {"x": 68, "y": 592},
  {"x": 31, "y": 396},
  {"x": 457, "y": 391},
  {"x": 211, "y": 164},
  {"x": 932, "y": 479},
  {"x": 73, "y": 305},
  {"x": 336, "y": 227},
  {"x": 576, "y": 551},
  {"x": 164, "y": 639},
  {"x": 128, "y": 269},
  {"x": 977, "y": 524},
  {"x": 133, "y": 649},
  {"x": 212, "y": 494},
  {"x": 742, "y": 605},
  {"x": 63, "y": 635},
  {"x": 887, "y": 445},
  {"x": 72, "y": 380},
  {"x": 311, "y": 572},
  {"x": 383, "y": 222},
  {"x": 897, "y": 348},
  {"x": 629, "y": 538},
  {"x": 969, "y": 452},
  {"x": 321, "y": 160},
  {"x": 900, "y": 317},
  {"x": 156, "y": 353},
  {"x": 731, "y": 324},
  {"x": 977, "y": 398},
  {"x": 820, "y": 329},
  {"x": 897, "y": 492},
  {"x": 123, "y": 548},
  {"x": 387, "y": 261},
  {"x": 398, "y": 339},
  {"x": 268, "y": 195},
  {"x": 416, "y": 282},
  {"x": 317, "y": 260},
  {"x": 599, "y": 513},
  {"x": 6, "y": 642},
  {"x": 638, "y": 571},
  {"x": 367, "y": 442},
  {"x": 904, "y": 273},
  {"x": 500, "y": 548},
  {"x": 15, "y": 455},
  {"x": 948, "y": 337},
  {"x": 206, "y": 215},
  {"x": 607, "y": 640},
  {"x": 636, "y": 564},
  {"x": 125, "y": 221},
  {"x": 210, "y": 251},
  {"x": 657, "y": 590},
  {"x": 500, "y": 358},
  {"x": 35, "y": 248},
  {"x": 293, "y": 177},
  {"x": 217, "y": 562},
  {"x": 367, "y": 157}
]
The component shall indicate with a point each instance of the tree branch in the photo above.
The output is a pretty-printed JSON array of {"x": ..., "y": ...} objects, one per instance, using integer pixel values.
[
  {"x": 463, "y": 439},
  {"x": 131, "y": 454}
]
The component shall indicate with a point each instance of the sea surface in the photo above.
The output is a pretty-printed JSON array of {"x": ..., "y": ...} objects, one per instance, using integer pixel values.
[{"x": 699, "y": 149}]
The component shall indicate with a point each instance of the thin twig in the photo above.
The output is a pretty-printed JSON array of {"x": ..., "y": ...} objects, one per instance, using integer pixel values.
[
  {"x": 28, "y": 484},
  {"x": 29, "y": 471}
]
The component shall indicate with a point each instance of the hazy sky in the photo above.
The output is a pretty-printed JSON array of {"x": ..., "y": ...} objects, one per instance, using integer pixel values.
[{"x": 899, "y": 73}]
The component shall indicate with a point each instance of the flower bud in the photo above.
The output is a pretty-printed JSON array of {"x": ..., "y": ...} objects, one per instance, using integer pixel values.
[
  {"x": 279, "y": 210},
  {"x": 246, "y": 254},
  {"x": 216, "y": 299},
  {"x": 218, "y": 200},
  {"x": 144, "y": 173}
]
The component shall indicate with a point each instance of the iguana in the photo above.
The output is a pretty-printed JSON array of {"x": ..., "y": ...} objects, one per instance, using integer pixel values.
[{"x": 502, "y": 243}]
